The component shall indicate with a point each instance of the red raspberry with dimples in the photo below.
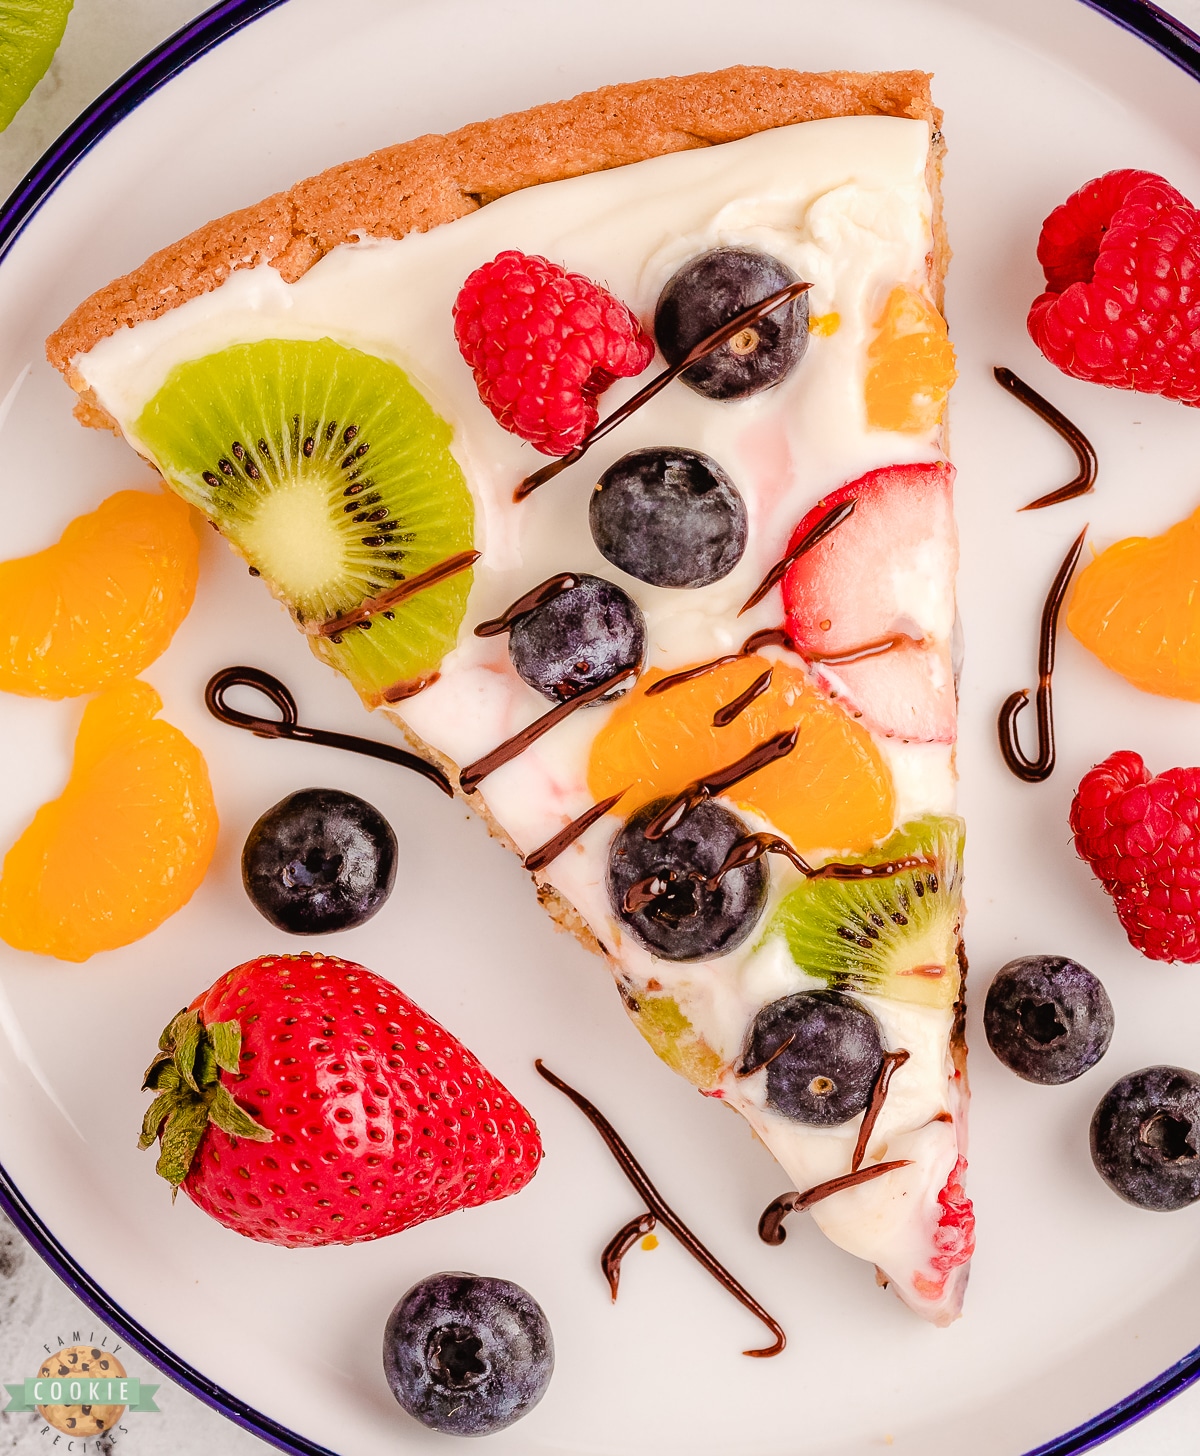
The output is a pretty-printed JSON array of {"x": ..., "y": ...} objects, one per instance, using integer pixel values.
[
  {"x": 1121, "y": 307},
  {"x": 1141, "y": 836},
  {"x": 543, "y": 344}
]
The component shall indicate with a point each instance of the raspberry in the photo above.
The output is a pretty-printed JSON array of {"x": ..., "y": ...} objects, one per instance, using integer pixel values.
[
  {"x": 1121, "y": 258},
  {"x": 1141, "y": 836},
  {"x": 954, "y": 1237},
  {"x": 543, "y": 344}
]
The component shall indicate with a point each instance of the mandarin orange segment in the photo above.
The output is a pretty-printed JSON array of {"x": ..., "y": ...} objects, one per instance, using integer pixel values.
[
  {"x": 124, "y": 846},
  {"x": 833, "y": 792},
  {"x": 1134, "y": 606},
  {"x": 910, "y": 365},
  {"x": 101, "y": 603}
]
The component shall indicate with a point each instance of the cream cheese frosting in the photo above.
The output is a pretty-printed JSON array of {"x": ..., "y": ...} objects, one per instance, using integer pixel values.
[{"x": 845, "y": 204}]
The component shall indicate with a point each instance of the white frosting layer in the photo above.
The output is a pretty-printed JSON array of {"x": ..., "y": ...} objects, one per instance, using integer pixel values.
[{"x": 845, "y": 204}]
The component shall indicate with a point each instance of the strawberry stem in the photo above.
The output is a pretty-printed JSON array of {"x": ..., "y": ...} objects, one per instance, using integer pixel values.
[{"x": 186, "y": 1075}]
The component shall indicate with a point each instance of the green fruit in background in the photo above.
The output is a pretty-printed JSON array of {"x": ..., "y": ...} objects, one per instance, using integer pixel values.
[
  {"x": 332, "y": 476},
  {"x": 30, "y": 32}
]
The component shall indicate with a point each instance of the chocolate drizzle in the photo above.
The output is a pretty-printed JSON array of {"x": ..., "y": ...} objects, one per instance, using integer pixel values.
[
  {"x": 620, "y": 1244},
  {"x": 286, "y": 725},
  {"x": 1035, "y": 770},
  {"x": 657, "y": 1210},
  {"x": 780, "y": 637},
  {"x": 385, "y": 601},
  {"x": 868, "y": 649},
  {"x": 892, "y": 1062},
  {"x": 538, "y": 859},
  {"x": 754, "y": 846},
  {"x": 770, "y": 1225},
  {"x": 475, "y": 773},
  {"x": 719, "y": 780},
  {"x": 699, "y": 351},
  {"x": 828, "y": 522},
  {"x": 1085, "y": 479},
  {"x": 552, "y": 587},
  {"x": 724, "y": 716}
]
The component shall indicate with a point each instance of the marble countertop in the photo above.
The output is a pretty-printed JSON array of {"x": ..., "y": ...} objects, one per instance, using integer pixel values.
[{"x": 103, "y": 38}]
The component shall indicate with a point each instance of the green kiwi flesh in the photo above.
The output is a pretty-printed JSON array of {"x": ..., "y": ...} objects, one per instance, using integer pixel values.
[
  {"x": 332, "y": 476},
  {"x": 894, "y": 936}
]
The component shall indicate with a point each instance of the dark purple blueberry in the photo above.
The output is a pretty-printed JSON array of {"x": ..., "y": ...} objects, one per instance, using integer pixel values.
[
  {"x": 1047, "y": 1018},
  {"x": 822, "y": 1051},
  {"x": 710, "y": 291},
  {"x": 466, "y": 1354},
  {"x": 319, "y": 861},
  {"x": 658, "y": 888},
  {"x": 579, "y": 639},
  {"x": 1146, "y": 1138},
  {"x": 669, "y": 516}
]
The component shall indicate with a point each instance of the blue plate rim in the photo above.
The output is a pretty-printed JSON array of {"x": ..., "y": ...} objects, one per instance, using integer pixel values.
[{"x": 1143, "y": 18}]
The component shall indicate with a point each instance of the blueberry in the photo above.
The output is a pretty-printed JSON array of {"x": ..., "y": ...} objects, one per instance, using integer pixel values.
[
  {"x": 671, "y": 517},
  {"x": 579, "y": 639},
  {"x": 711, "y": 290},
  {"x": 657, "y": 886},
  {"x": 320, "y": 860},
  {"x": 1047, "y": 1018},
  {"x": 822, "y": 1051},
  {"x": 466, "y": 1354},
  {"x": 1146, "y": 1138}
]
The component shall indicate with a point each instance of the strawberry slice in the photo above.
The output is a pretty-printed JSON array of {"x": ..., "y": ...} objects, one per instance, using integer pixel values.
[{"x": 870, "y": 606}]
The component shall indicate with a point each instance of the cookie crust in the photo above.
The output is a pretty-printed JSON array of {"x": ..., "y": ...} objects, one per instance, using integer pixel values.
[{"x": 418, "y": 185}]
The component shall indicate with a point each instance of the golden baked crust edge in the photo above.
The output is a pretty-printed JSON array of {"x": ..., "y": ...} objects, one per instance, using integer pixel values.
[{"x": 418, "y": 185}]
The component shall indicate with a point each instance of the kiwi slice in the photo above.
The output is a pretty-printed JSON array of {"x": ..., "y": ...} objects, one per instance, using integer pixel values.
[
  {"x": 895, "y": 935},
  {"x": 330, "y": 473},
  {"x": 30, "y": 32}
]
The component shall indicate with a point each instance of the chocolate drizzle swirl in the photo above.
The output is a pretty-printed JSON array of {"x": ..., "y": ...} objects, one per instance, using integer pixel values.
[
  {"x": 538, "y": 859},
  {"x": 770, "y": 1225},
  {"x": 706, "y": 346},
  {"x": 658, "y": 1210},
  {"x": 828, "y": 522},
  {"x": 1035, "y": 770},
  {"x": 286, "y": 725},
  {"x": 1085, "y": 479},
  {"x": 892, "y": 1062},
  {"x": 475, "y": 773},
  {"x": 724, "y": 716},
  {"x": 546, "y": 591},
  {"x": 719, "y": 780},
  {"x": 385, "y": 601}
]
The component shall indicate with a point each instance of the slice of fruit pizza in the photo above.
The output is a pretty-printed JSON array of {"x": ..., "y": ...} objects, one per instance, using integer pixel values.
[{"x": 701, "y": 681}]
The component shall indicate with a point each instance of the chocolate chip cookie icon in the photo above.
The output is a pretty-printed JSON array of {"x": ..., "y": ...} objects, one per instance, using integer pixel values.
[{"x": 82, "y": 1362}]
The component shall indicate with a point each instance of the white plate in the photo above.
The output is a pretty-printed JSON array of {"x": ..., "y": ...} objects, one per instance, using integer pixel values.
[{"x": 1076, "y": 1298}]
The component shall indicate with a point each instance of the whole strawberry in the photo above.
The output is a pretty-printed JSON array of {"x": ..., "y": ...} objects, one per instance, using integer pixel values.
[
  {"x": 543, "y": 344},
  {"x": 303, "y": 1100},
  {"x": 1121, "y": 258},
  {"x": 1141, "y": 836}
]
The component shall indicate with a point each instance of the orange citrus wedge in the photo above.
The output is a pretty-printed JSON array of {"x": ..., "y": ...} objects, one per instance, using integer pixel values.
[
  {"x": 1135, "y": 607},
  {"x": 101, "y": 603},
  {"x": 124, "y": 846},
  {"x": 833, "y": 792},
  {"x": 910, "y": 365}
]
